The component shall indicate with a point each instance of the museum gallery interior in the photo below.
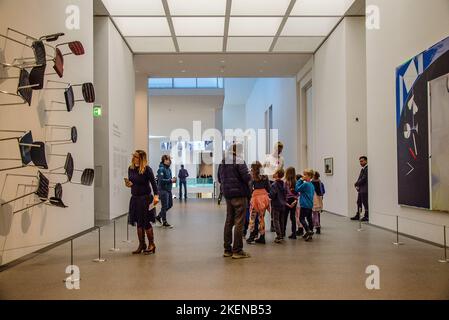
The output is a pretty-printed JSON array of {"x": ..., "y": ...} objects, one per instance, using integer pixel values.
[{"x": 92, "y": 91}]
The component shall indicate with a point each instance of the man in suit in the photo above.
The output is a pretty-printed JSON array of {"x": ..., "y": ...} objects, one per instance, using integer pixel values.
[{"x": 362, "y": 188}]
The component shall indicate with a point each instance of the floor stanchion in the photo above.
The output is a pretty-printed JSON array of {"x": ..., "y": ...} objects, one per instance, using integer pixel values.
[
  {"x": 99, "y": 259},
  {"x": 71, "y": 279},
  {"x": 397, "y": 243},
  {"x": 127, "y": 233},
  {"x": 114, "y": 249},
  {"x": 444, "y": 260}
]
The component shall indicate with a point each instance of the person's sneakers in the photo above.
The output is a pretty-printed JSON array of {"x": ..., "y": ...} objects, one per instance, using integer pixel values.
[
  {"x": 241, "y": 255},
  {"x": 278, "y": 240},
  {"x": 167, "y": 225},
  {"x": 227, "y": 254},
  {"x": 292, "y": 236},
  {"x": 261, "y": 239},
  {"x": 318, "y": 230},
  {"x": 300, "y": 232},
  {"x": 356, "y": 217},
  {"x": 250, "y": 240},
  {"x": 159, "y": 220},
  {"x": 365, "y": 219}
]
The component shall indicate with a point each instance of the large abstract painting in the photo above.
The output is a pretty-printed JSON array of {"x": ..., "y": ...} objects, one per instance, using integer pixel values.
[{"x": 422, "y": 109}]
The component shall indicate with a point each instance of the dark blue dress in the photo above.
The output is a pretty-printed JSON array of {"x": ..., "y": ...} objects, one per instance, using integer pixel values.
[{"x": 141, "y": 197}]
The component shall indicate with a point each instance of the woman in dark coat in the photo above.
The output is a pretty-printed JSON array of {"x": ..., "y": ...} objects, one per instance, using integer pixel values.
[{"x": 140, "y": 176}]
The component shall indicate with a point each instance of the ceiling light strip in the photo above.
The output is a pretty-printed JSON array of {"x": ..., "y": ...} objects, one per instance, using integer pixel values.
[
  {"x": 281, "y": 26},
  {"x": 170, "y": 24},
  {"x": 226, "y": 27}
]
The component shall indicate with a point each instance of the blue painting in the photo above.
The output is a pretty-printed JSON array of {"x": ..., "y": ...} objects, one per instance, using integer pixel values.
[{"x": 422, "y": 102}]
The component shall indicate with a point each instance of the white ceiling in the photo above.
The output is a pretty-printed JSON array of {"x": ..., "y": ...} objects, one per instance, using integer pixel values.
[
  {"x": 235, "y": 64},
  {"x": 203, "y": 26}
]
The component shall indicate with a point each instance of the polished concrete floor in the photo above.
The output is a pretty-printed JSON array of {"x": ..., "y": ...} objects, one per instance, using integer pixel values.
[{"x": 188, "y": 264}]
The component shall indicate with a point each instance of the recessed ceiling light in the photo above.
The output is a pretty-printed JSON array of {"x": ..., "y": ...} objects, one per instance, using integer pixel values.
[
  {"x": 222, "y": 61},
  {"x": 261, "y": 71},
  {"x": 180, "y": 61},
  {"x": 183, "y": 71},
  {"x": 265, "y": 61}
]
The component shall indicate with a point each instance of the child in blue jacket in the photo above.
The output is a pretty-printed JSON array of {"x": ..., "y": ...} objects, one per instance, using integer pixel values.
[{"x": 306, "y": 192}]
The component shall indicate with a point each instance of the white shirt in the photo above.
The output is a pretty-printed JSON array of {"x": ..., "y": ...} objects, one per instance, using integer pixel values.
[{"x": 272, "y": 163}]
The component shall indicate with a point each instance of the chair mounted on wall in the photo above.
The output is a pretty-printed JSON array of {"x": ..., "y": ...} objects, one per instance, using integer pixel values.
[
  {"x": 87, "y": 175},
  {"x": 87, "y": 89},
  {"x": 30, "y": 151},
  {"x": 73, "y": 135},
  {"x": 42, "y": 192},
  {"x": 38, "y": 45},
  {"x": 24, "y": 88},
  {"x": 76, "y": 48}
]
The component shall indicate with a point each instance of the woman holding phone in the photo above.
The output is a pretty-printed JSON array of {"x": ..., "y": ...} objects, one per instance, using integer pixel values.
[{"x": 140, "y": 176}]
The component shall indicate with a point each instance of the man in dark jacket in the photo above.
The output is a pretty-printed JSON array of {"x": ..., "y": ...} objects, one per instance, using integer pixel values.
[
  {"x": 165, "y": 181},
  {"x": 362, "y": 188},
  {"x": 234, "y": 177},
  {"x": 182, "y": 175}
]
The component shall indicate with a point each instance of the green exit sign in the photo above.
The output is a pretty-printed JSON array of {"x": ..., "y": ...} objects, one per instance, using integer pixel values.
[{"x": 97, "y": 111}]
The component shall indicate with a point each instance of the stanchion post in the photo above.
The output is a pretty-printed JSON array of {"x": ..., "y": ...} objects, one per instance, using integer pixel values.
[
  {"x": 444, "y": 260},
  {"x": 70, "y": 279},
  {"x": 99, "y": 259},
  {"x": 114, "y": 249},
  {"x": 360, "y": 229},
  {"x": 397, "y": 243},
  {"x": 127, "y": 233}
]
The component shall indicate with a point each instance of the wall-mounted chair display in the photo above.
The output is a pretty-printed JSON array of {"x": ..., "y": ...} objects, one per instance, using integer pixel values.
[
  {"x": 42, "y": 192},
  {"x": 88, "y": 92},
  {"x": 76, "y": 48},
  {"x": 30, "y": 151},
  {"x": 87, "y": 175},
  {"x": 24, "y": 88},
  {"x": 38, "y": 63},
  {"x": 73, "y": 135}
]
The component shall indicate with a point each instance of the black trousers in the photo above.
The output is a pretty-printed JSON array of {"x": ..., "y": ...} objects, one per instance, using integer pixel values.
[
  {"x": 292, "y": 213},
  {"x": 305, "y": 217},
  {"x": 363, "y": 200}
]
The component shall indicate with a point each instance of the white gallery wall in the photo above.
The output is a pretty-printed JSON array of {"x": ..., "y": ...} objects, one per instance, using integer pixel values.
[
  {"x": 171, "y": 112},
  {"x": 28, "y": 231},
  {"x": 407, "y": 27},
  {"x": 339, "y": 88},
  {"x": 114, "y": 131},
  {"x": 281, "y": 94}
]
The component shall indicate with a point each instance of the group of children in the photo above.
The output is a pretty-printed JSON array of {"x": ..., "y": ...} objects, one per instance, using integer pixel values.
[{"x": 298, "y": 197}]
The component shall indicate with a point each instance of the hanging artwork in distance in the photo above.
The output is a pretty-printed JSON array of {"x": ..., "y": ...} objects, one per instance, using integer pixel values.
[{"x": 422, "y": 111}]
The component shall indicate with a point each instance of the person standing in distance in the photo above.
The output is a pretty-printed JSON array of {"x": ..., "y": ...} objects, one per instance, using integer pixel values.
[
  {"x": 182, "y": 175},
  {"x": 361, "y": 186}
]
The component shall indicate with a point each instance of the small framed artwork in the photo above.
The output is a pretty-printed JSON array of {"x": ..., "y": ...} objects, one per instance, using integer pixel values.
[{"x": 329, "y": 166}]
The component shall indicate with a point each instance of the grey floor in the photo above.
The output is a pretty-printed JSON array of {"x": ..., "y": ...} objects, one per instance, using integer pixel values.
[{"x": 188, "y": 264}]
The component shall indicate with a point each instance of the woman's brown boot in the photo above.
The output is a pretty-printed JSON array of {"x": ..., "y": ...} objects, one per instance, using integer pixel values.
[
  {"x": 142, "y": 244},
  {"x": 151, "y": 246}
]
